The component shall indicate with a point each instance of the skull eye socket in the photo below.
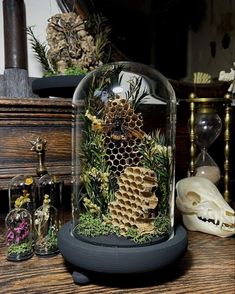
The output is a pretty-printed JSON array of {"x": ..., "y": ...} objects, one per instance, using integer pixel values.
[{"x": 194, "y": 198}]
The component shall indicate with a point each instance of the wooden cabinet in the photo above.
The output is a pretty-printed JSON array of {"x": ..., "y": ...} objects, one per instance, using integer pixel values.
[{"x": 23, "y": 120}]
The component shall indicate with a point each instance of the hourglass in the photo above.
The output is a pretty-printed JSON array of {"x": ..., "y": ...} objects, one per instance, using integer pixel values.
[{"x": 205, "y": 127}]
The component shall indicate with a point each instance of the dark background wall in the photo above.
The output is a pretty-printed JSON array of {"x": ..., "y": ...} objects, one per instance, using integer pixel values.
[{"x": 153, "y": 32}]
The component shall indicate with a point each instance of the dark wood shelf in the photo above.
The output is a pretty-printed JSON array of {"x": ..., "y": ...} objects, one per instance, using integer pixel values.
[
  {"x": 25, "y": 119},
  {"x": 207, "y": 267}
]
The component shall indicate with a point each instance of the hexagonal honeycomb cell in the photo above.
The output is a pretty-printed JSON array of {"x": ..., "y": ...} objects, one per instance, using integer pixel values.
[
  {"x": 123, "y": 134},
  {"x": 135, "y": 200}
]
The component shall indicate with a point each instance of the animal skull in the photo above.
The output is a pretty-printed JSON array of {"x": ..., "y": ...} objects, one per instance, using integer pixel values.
[{"x": 203, "y": 207}]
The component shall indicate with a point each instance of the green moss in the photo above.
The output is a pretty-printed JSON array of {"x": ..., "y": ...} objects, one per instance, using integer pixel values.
[
  {"x": 19, "y": 248},
  {"x": 162, "y": 227},
  {"x": 72, "y": 71},
  {"x": 75, "y": 71},
  {"x": 51, "y": 241},
  {"x": 135, "y": 236},
  {"x": 91, "y": 226},
  {"x": 162, "y": 224}
]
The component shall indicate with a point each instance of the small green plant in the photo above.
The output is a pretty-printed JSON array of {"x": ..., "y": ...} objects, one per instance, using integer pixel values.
[
  {"x": 155, "y": 156},
  {"x": 98, "y": 27},
  {"x": 51, "y": 239},
  {"x": 96, "y": 173},
  {"x": 134, "y": 94},
  {"x": 40, "y": 48}
]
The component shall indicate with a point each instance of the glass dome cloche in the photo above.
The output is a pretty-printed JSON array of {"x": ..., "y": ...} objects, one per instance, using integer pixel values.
[{"x": 123, "y": 170}]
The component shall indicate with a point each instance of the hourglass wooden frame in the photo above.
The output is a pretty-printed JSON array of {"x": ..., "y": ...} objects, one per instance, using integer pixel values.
[{"x": 226, "y": 103}]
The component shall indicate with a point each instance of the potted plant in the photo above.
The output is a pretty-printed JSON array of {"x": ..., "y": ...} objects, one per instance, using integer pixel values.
[{"x": 74, "y": 46}]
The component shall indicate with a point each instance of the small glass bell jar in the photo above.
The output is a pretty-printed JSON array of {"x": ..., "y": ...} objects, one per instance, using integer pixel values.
[
  {"x": 46, "y": 227},
  {"x": 51, "y": 185},
  {"x": 19, "y": 234},
  {"x": 123, "y": 169}
]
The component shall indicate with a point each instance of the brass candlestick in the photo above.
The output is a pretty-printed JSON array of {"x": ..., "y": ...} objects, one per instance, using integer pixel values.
[{"x": 39, "y": 146}]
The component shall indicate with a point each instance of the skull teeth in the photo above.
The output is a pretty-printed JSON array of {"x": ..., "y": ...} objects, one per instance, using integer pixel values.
[
  {"x": 209, "y": 220},
  {"x": 229, "y": 227}
]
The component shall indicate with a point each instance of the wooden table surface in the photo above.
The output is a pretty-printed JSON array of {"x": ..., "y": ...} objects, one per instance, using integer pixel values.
[{"x": 208, "y": 266}]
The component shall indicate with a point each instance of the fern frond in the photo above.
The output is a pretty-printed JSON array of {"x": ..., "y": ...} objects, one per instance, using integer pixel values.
[{"x": 40, "y": 49}]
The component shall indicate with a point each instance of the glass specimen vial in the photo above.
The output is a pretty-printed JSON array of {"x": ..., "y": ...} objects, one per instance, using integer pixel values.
[
  {"x": 46, "y": 225},
  {"x": 51, "y": 185},
  {"x": 123, "y": 156},
  {"x": 19, "y": 234}
]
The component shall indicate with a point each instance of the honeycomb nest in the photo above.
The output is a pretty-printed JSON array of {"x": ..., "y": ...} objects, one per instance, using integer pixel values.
[
  {"x": 135, "y": 201},
  {"x": 69, "y": 44},
  {"x": 121, "y": 107},
  {"x": 123, "y": 134}
]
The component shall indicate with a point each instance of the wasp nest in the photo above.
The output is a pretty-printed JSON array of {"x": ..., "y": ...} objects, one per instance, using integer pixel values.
[
  {"x": 70, "y": 45},
  {"x": 123, "y": 134},
  {"x": 122, "y": 109},
  {"x": 135, "y": 201}
]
